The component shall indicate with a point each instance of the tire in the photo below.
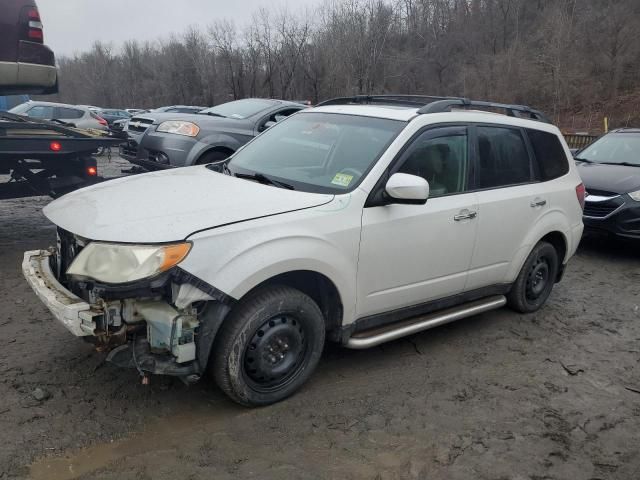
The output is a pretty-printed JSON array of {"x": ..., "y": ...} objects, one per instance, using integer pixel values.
[
  {"x": 536, "y": 279},
  {"x": 268, "y": 346},
  {"x": 211, "y": 157}
]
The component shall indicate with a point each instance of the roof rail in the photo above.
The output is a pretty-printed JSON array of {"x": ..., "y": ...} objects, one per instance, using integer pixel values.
[
  {"x": 521, "y": 111},
  {"x": 400, "y": 100},
  {"x": 436, "y": 104}
]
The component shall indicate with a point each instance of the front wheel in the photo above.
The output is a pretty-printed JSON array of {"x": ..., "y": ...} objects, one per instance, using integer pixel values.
[
  {"x": 211, "y": 157},
  {"x": 536, "y": 279},
  {"x": 268, "y": 346}
]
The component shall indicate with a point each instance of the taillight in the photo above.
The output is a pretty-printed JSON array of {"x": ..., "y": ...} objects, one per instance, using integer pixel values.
[
  {"x": 55, "y": 146},
  {"x": 581, "y": 192},
  {"x": 33, "y": 25},
  {"x": 92, "y": 171},
  {"x": 102, "y": 121}
]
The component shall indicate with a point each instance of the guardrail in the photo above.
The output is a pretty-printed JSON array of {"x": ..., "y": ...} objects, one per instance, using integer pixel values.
[{"x": 579, "y": 140}]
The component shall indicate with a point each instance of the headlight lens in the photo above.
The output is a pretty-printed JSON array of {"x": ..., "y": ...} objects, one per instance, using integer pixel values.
[
  {"x": 116, "y": 263},
  {"x": 635, "y": 195},
  {"x": 177, "y": 127}
]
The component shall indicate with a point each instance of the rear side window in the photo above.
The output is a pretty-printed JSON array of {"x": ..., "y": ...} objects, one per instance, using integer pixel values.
[
  {"x": 503, "y": 158},
  {"x": 68, "y": 113},
  {"x": 550, "y": 156}
]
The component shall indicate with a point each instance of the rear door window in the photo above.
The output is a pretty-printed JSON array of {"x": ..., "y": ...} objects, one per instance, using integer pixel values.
[
  {"x": 503, "y": 158},
  {"x": 68, "y": 113},
  {"x": 550, "y": 155}
]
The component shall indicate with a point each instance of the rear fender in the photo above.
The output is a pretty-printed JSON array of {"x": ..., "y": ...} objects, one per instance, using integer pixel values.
[{"x": 552, "y": 221}]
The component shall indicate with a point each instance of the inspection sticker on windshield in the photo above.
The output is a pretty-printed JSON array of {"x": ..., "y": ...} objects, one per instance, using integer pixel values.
[{"x": 342, "y": 179}]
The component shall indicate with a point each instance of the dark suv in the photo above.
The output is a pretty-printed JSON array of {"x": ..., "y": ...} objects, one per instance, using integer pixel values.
[
  {"x": 166, "y": 140},
  {"x": 26, "y": 64},
  {"x": 610, "y": 169}
]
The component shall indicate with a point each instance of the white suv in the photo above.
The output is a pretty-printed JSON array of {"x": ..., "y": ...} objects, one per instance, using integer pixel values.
[{"x": 360, "y": 221}]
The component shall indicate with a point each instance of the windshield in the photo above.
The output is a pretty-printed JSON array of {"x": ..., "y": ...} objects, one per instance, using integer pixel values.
[
  {"x": 20, "y": 109},
  {"x": 318, "y": 152},
  {"x": 614, "y": 148},
  {"x": 240, "y": 109}
]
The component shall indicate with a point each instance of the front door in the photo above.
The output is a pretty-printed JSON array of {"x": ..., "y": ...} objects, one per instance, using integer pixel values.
[{"x": 411, "y": 254}]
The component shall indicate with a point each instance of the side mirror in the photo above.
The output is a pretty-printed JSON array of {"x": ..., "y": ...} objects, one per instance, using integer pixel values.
[{"x": 405, "y": 188}]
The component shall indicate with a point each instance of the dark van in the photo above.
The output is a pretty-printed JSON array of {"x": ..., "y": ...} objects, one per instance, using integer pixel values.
[{"x": 27, "y": 65}]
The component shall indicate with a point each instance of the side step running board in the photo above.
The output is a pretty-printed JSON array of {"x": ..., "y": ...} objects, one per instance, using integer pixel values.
[{"x": 374, "y": 337}]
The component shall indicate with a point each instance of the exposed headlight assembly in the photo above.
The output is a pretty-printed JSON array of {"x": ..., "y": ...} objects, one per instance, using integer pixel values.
[
  {"x": 117, "y": 263},
  {"x": 177, "y": 127},
  {"x": 635, "y": 195}
]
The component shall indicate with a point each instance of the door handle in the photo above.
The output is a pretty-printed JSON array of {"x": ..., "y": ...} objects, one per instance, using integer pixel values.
[
  {"x": 538, "y": 202},
  {"x": 465, "y": 215}
]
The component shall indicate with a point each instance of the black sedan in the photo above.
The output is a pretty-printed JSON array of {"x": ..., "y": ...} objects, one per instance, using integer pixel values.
[
  {"x": 168, "y": 140},
  {"x": 610, "y": 170}
]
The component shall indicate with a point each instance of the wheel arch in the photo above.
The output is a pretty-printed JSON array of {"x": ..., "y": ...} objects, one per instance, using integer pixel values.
[
  {"x": 214, "y": 148},
  {"x": 552, "y": 228},
  {"x": 319, "y": 287}
]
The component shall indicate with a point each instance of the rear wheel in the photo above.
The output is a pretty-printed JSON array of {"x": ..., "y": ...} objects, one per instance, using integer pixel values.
[
  {"x": 269, "y": 346},
  {"x": 536, "y": 279}
]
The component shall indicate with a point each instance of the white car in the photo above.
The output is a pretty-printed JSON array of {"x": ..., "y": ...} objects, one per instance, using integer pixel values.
[
  {"x": 77, "y": 115},
  {"x": 359, "y": 221}
]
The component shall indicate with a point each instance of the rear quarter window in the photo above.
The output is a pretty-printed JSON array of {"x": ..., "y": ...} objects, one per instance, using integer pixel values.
[{"x": 550, "y": 155}]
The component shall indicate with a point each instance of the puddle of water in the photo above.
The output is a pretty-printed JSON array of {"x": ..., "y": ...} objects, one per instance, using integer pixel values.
[{"x": 158, "y": 436}]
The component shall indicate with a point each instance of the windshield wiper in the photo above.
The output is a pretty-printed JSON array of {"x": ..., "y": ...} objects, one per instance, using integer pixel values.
[
  {"x": 262, "y": 178},
  {"x": 212, "y": 114},
  {"x": 626, "y": 164},
  {"x": 582, "y": 160}
]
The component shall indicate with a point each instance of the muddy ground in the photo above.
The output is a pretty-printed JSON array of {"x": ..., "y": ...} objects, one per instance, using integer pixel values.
[{"x": 552, "y": 395}]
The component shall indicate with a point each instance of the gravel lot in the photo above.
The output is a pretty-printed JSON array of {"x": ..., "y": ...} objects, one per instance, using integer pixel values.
[{"x": 552, "y": 395}]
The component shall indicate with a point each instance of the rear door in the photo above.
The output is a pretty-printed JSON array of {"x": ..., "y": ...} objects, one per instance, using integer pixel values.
[
  {"x": 68, "y": 114},
  {"x": 510, "y": 199}
]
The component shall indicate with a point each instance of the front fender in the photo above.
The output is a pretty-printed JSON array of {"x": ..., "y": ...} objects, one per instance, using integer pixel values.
[
  {"x": 210, "y": 142},
  {"x": 236, "y": 258}
]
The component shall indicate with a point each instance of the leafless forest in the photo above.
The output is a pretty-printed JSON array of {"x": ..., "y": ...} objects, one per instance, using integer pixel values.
[{"x": 576, "y": 59}]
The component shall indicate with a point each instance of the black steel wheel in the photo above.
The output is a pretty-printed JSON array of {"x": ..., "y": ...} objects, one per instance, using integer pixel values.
[
  {"x": 536, "y": 279},
  {"x": 268, "y": 346},
  {"x": 276, "y": 353}
]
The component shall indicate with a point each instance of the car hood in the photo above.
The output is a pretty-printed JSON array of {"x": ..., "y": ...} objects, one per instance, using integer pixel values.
[
  {"x": 204, "y": 121},
  {"x": 171, "y": 205},
  {"x": 610, "y": 178}
]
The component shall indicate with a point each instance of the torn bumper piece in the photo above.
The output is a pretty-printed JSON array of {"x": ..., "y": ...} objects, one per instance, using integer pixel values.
[
  {"x": 137, "y": 354},
  {"x": 70, "y": 310}
]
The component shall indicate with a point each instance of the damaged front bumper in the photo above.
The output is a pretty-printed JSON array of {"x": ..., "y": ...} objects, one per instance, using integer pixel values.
[
  {"x": 74, "y": 313},
  {"x": 140, "y": 327}
]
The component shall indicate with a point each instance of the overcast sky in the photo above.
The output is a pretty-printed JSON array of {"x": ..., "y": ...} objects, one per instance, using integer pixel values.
[{"x": 73, "y": 25}]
